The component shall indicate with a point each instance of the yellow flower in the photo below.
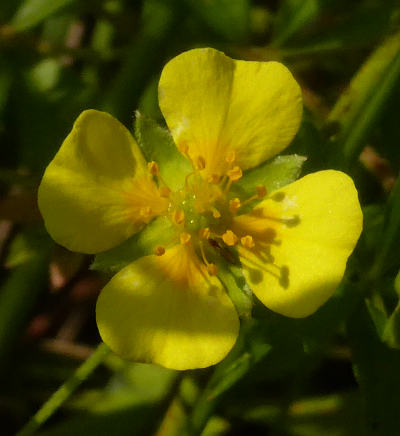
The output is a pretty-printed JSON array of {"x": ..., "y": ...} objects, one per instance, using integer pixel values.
[{"x": 225, "y": 116}]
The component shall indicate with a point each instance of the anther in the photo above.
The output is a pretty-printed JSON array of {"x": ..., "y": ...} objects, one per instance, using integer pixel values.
[
  {"x": 230, "y": 238},
  {"x": 212, "y": 269},
  {"x": 200, "y": 163},
  {"x": 204, "y": 233},
  {"x": 178, "y": 216},
  {"x": 213, "y": 178},
  {"x": 164, "y": 191},
  {"x": 231, "y": 157},
  {"x": 153, "y": 168},
  {"x": 185, "y": 238},
  {"x": 159, "y": 251},
  {"x": 145, "y": 212},
  {"x": 261, "y": 191},
  {"x": 234, "y": 205},
  {"x": 234, "y": 174},
  {"x": 247, "y": 241},
  {"x": 215, "y": 213}
]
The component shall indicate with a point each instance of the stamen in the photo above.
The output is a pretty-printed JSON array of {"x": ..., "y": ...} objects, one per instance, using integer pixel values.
[
  {"x": 230, "y": 238},
  {"x": 234, "y": 174},
  {"x": 178, "y": 216},
  {"x": 153, "y": 168},
  {"x": 247, "y": 241},
  {"x": 215, "y": 212},
  {"x": 204, "y": 233},
  {"x": 261, "y": 191},
  {"x": 203, "y": 255},
  {"x": 145, "y": 212},
  {"x": 231, "y": 157},
  {"x": 212, "y": 269},
  {"x": 185, "y": 238},
  {"x": 184, "y": 149},
  {"x": 159, "y": 251},
  {"x": 213, "y": 178},
  {"x": 164, "y": 191},
  {"x": 188, "y": 176},
  {"x": 200, "y": 163},
  {"x": 234, "y": 205}
]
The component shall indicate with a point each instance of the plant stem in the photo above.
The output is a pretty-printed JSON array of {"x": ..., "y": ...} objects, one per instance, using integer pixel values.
[
  {"x": 65, "y": 391},
  {"x": 226, "y": 374},
  {"x": 202, "y": 413}
]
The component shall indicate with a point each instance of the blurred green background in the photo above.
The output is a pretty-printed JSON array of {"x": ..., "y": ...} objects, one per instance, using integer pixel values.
[{"x": 335, "y": 373}]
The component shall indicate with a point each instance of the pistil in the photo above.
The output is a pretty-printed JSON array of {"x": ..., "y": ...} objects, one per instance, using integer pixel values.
[
  {"x": 202, "y": 211},
  {"x": 178, "y": 216}
]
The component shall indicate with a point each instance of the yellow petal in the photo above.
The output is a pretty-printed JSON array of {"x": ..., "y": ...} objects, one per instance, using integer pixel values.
[
  {"x": 215, "y": 105},
  {"x": 97, "y": 191},
  {"x": 304, "y": 234},
  {"x": 168, "y": 310}
]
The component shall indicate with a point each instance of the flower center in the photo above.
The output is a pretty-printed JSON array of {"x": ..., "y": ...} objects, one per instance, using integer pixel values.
[{"x": 204, "y": 209}]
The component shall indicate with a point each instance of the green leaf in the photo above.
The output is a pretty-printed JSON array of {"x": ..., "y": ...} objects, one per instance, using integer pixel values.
[
  {"x": 159, "y": 232},
  {"x": 337, "y": 414},
  {"x": 228, "y": 19},
  {"x": 397, "y": 284},
  {"x": 142, "y": 419},
  {"x": 45, "y": 75},
  {"x": 145, "y": 55},
  {"x": 7, "y": 9},
  {"x": 391, "y": 334},
  {"x": 23, "y": 248},
  {"x": 29, "y": 123},
  {"x": 377, "y": 313},
  {"x": 387, "y": 138},
  {"x": 318, "y": 329},
  {"x": 376, "y": 368},
  {"x": 363, "y": 27},
  {"x": 250, "y": 348},
  {"x": 138, "y": 384},
  {"x": 22, "y": 288},
  {"x": 148, "y": 103},
  {"x": 388, "y": 251},
  {"x": 6, "y": 78},
  {"x": 294, "y": 15},
  {"x": 237, "y": 288},
  {"x": 274, "y": 174},
  {"x": 373, "y": 226},
  {"x": 309, "y": 142},
  {"x": 33, "y": 12},
  {"x": 360, "y": 106},
  {"x": 58, "y": 398},
  {"x": 157, "y": 145}
]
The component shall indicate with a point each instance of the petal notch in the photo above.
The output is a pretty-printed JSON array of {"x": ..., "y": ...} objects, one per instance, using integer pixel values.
[{"x": 216, "y": 105}]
